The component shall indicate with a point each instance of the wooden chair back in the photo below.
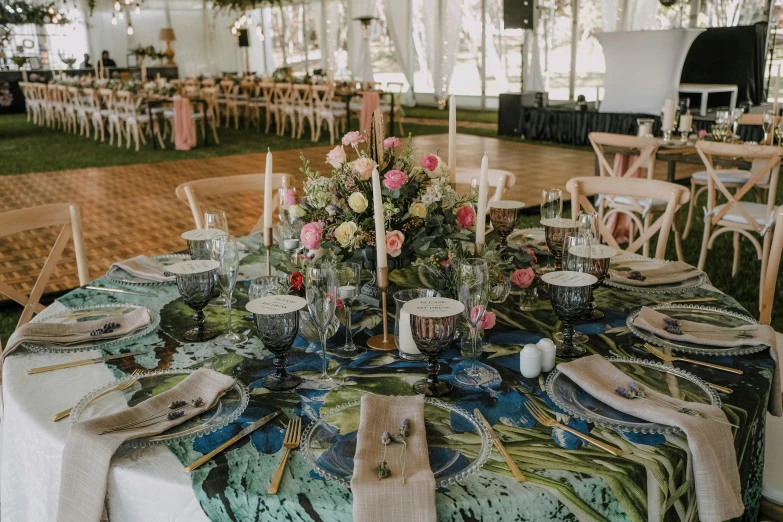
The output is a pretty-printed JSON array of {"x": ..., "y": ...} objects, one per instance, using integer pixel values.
[
  {"x": 208, "y": 82},
  {"x": 210, "y": 95},
  {"x": 675, "y": 195},
  {"x": 773, "y": 266},
  {"x": 284, "y": 95},
  {"x": 644, "y": 147},
  {"x": 301, "y": 95},
  {"x": 502, "y": 180},
  {"x": 267, "y": 92},
  {"x": 191, "y": 82},
  {"x": 227, "y": 88},
  {"x": 321, "y": 96},
  {"x": 69, "y": 218},
  {"x": 193, "y": 193}
]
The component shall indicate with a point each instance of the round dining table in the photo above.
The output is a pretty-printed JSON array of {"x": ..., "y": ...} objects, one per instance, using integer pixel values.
[{"x": 566, "y": 479}]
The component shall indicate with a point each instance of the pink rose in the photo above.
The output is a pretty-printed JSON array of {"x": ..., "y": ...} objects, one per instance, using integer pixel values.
[
  {"x": 534, "y": 258},
  {"x": 523, "y": 277},
  {"x": 394, "y": 179},
  {"x": 353, "y": 138},
  {"x": 391, "y": 142},
  {"x": 466, "y": 216},
  {"x": 702, "y": 133},
  {"x": 430, "y": 162},
  {"x": 487, "y": 321},
  {"x": 290, "y": 197},
  {"x": 311, "y": 235},
  {"x": 394, "y": 241},
  {"x": 363, "y": 168},
  {"x": 336, "y": 157}
]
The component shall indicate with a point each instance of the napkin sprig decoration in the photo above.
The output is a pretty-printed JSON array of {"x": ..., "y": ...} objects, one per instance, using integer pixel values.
[
  {"x": 635, "y": 275},
  {"x": 386, "y": 439},
  {"x": 107, "y": 328},
  {"x": 635, "y": 391}
]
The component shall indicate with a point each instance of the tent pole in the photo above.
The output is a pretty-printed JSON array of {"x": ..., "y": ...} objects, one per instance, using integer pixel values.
[
  {"x": 483, "y": 55},
  {"x": 574, "y": 43},
  {"x": 304, "y": 40}
]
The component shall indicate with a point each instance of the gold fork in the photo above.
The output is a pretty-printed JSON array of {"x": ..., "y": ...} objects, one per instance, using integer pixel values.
[
  {"x": 123, "y": 386},
  {"x": 293, "y": 435},
  {"x": 544, "y": 418},
  {"x": 671, "y": 358}
]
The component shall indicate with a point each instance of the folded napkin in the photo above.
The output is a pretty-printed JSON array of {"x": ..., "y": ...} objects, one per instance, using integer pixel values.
[
  {"x": 145, "y": 268},
  {"x": 674, "y": 272},
  {"x": 715, "y": 474},
  {"x": 73, "y": 334},
  {"x": 389, "y": 499},
  {"x": 87, "y": 454},
  {"x": 709, "y": 335}
]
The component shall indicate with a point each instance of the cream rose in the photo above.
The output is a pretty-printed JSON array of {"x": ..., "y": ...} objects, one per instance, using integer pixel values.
[
  {"x": 418, "y": 210},
  {"x": 297, "y": 211},
  {"x": 357, "y": 202},
  {"x": 345, "y": 233},
  {"x": 363, "y": 168}
]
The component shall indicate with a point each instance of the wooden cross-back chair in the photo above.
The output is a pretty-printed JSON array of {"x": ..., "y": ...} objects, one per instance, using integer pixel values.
[
  {"x": 741, "y": 218},
  {"x": 192, "y": 193},
  {"x": 69, "y": 218},
  {"x": 285, "y": 107},
  {"x": 675, "y": 196},
  {"x": 644, "y": 147},
  {"x": 267, "y": 95},
  {"x": 502, "y": 180}
]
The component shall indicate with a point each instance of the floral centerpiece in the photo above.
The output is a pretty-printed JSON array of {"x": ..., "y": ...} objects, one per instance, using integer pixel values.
[{"x": 421, "y": 210}]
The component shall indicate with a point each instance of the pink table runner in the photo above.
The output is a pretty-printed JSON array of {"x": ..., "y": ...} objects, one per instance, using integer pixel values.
[
  {"x": 184, "y": 131},
  {"x": 371, "y": 100}
]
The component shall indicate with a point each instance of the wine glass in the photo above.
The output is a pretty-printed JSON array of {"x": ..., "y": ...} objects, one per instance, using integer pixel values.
[
  {"x": 348, "y": 279},
  {"x": 551, "y": 208},
  {"x": 587, "y": 222},
  {"x": 432, "y": 336},
  {"x": 503, "y": 215},
  {"x": 473, "y": 291},
  {"x": 278, "y": 332},
  {"x": 226, "y": 252},
  {"x": 309, "y": 330},
  {"x": 197, "y": 289},
  {"x": 570, "y": 295},
  {"x": 215, "y": 225},
  {"x": 321, "y": 288},
  {"x": 736, "y": 116},
  {"x": 767, "y": 124}
]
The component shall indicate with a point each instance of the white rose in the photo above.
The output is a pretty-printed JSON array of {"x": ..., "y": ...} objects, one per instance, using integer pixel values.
[
  {"x": 345, "y": 233},
  {"x": 297, "y": 211},
  {"x": 357, "y": 202}
]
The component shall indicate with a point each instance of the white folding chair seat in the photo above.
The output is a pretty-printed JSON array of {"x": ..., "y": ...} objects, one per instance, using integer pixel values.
[
  {"x": 725, "y": 175},
  {"x": 757, "y": 211}
]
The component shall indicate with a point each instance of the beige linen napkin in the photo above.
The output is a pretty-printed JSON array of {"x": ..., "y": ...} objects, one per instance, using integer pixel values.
[
  {"x": 709, "y": 335},
  {"x": 87, "y": 455},
  {"x": 389, "y": 500},
  {"x": 715, "y": 474},
  {"x": 674, "y": 272},
  {"x": 145, "y": 268}
]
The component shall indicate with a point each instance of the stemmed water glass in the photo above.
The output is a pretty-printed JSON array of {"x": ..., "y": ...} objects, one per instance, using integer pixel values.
[
  {"x": 321, "y": 288},
  {"x": 348, "y": 279},
  {"x": 587, "y": 222},
  {"x": 551, "y": 208},
  {"x": 473, "y": 291},
  {"x": 226, "y": 253},
  {"x": 432, "y": 336},
  {"x": 278, "y": 332},
  {"x": 197, "y": 289}
]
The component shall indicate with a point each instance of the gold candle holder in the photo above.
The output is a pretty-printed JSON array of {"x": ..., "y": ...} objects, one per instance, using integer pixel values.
[
  {"x": 382, "y": 342},
  {"x": 268, "y": 246}
]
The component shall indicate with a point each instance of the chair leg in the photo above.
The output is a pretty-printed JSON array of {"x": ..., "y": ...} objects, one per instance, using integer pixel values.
[
  {"x": 764, "y": 261},
  {"x": 214, "y": 134},
  {"x": 705, "y": 239},
  {"x": 735, "y": 264},
  {"x": 691, "y": 204},
  {"x": 678, "y": 237},
  {"x": 647, "y": 222}
]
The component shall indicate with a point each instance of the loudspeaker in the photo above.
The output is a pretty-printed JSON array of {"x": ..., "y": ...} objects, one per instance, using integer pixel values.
[
  {"x": 518, "y": 14},
  {"x": 244, "y": 41}
]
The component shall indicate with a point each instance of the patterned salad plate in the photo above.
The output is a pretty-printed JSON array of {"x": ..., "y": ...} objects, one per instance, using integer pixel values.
[
  {"x": 524, "y": 238},
  {"x": 118, "y": 275},
  {"x": 631, "y": 262}
]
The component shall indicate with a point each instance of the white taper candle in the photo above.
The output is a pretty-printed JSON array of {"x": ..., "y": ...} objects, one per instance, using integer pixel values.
[
  {"x": 481, "y": 215},
  {"x": 268, "y": 199},
  {"x": 452, "y": 139},
  {"x": 380, "y": 224}
]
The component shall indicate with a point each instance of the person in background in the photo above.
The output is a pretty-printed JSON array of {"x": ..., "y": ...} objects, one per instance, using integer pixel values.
[
  {"x": 86, "y": 63},
  {"x": 107, "y": 62}
]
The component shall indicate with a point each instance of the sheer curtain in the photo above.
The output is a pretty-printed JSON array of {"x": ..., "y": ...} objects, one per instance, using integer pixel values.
[
  {"x": 359, "y": 57},
  {"x": 442, "y": 27},
  {"x": 398, "y": 19},
  {"x": 628, "y": 15}
]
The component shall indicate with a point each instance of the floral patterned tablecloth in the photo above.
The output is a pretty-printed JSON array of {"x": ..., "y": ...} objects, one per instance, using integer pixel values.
[{"x": 566, "y": 480}]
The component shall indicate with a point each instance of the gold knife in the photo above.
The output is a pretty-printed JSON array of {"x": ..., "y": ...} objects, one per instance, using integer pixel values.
[
  {"x": 82, "y": 362},
  {"x": 499, "y": 445},
  {"x": 247, "y": 431}
]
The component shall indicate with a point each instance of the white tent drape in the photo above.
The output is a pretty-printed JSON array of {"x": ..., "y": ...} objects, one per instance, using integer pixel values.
[
  {"x": 359, "y": 56},
  {"x": 628, "y": 15},
  {"x": 442, "y": 24},
  {"x": 328, "y": 17},
  {"x": 532, "y": 79},
  {"x": 399, "y": 21}
]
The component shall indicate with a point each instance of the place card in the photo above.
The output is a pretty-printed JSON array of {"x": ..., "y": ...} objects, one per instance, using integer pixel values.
[
  {"x": 193, "y": 267},
  {"x": 433, "y": 307},
  {"x": 559, "y": 223},
  {"x": 202, "y": 234},
  {"x": 567, "y": 278},
  {"x": 596, "y": 251},
  {"x": 276, "y": 304},
  {"x": 506, "y": 204}
]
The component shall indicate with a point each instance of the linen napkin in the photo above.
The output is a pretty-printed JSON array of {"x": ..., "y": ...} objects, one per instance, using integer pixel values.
[
  {"x": 674, "y": 272},
  {"x": 87, "y": 454},
  {"x": 73, "y": 334},
  {"x": 389, "y": 500},
  {"x": 715, "y": 473},
  {"x": 709, "y": 335},
  {"x": 145, "y": 268}
]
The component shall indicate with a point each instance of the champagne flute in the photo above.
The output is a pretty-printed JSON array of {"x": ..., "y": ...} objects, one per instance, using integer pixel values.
[
  {"x": 216, "y": 224},
  {"x": 226, "y": 253},
  {"x": 348, "y": 279},
  {"x": 588, "y": 225},
  {"x": 767, "y": 125},
  {"x": 321, "y": 288},
  {"x": 551, "y": 208},
  {"x": 473, "y": 291},
  {"x": 736, "y": 116}
]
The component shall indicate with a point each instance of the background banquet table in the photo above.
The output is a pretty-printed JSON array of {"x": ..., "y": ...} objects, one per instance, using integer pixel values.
[{"x": 565, "y": 480}]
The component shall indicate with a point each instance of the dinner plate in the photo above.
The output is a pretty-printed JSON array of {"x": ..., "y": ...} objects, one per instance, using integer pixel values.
[
  {"x": 458, "y": 443},
  {"x": 118, "y": 275},
  {"x": 707, "y": 315},
  {"x": 646, "y": 263},
  {"x": 523, "y": 238},
  {"x": 664, "y": 379},
  {"x": 95, "y": 404},
  {"x": 89, "y": 313}
]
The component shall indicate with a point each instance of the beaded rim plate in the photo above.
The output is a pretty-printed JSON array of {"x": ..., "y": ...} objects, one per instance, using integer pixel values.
[
  {"x": 88, "y": 313},
  {"x": 528, "y": 238},
  {"x": 694, "y": 312},
  {"x": 563, "y": 391},
  {"x": 118, "y": 275},
  {"x": 228, "y": 409},
  {"x": 445, "y": 476},
  {"x": 675, "y": 288}
]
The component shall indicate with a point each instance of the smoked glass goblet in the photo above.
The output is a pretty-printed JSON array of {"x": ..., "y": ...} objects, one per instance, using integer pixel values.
[
  {"x": 570, "y": 296},
  {"x": 432, "y": 336},
  {"x": 576, "y": 258},
  {"x": 197, "y": 290},
  {"x": 278, "y": 332},
  {"x": 503, "y": 215},
  {"x": 555, "y": 232}
]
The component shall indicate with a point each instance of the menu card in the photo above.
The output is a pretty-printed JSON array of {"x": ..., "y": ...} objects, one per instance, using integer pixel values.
[
  {"x": 202, "y": 234},
  {"x": 566, "y": 278},
  {"x": 433, "y": 307},
  {"x": 559, "y": 223},
  {"x": 506, "y": 204},
  {"x": 276, "y": 304},
  {"x": 193, "y": 267}
]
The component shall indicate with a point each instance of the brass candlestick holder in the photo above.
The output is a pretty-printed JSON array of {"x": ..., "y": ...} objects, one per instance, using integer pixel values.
[
  {"x": 268, "y": 246},
  {"x": 382, "y": 342}
]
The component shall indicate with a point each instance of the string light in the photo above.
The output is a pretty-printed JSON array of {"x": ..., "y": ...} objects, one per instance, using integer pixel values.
[
  {"x": 117, "y": 6},
  {"x": 130, "y": 29},
  {"x": 233, "y": 30},
  {"x": 245, "y": 20},
  {"x": 113, "y": 20},
  {"x": 137, "y": 9},
  {"x": 121, "y": 15}
]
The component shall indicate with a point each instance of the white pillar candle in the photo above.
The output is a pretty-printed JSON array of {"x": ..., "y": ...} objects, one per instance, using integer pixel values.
[
  {"x": 686, "y": 121},
  {"x": 645, "y": 130},
  {"x": 668, "y": 115},
  {"x": 268, "y": 199},
  {"x": 406, "y": 342},
  {"x": 380, "y": 224},
  {"x": 481, "y": 215},
  {"x": 347, "y": 292},
  {"x": 548, "y": 350},
  {"x": 452, "y": 139},
  {"x": 290, "y": 244},
  {"x": 530, "y": 361}
]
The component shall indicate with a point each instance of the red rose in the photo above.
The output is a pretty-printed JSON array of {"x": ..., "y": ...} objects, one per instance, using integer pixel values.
[{"x": 296, "y": 280}]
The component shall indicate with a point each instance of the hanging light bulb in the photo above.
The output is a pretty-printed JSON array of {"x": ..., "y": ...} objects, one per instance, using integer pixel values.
[
  {"x": 117, "y": 5},
  {"x": 243, "y": 19},
  {"x": 113, "y": 20},
  {"x": 51, "y": 11},
  {"x": 137, "y": 9},
  {"x": 258, "y": 31},
  {"x": 249, "y": 21},
  {"x": 237, "y": 24},
  {"x": 121, "y": 15},
  {"x": 233, "y": 30},
  {"x": 130, "y": 29}
]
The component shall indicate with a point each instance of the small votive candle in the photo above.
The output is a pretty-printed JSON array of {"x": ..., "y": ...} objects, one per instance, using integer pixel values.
[
  {"x": 530, "y": 361},
  {"x": 347, "y": 292},
  {"x": 547, "y": 348},
  {"x": 290, "y": 244}
]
